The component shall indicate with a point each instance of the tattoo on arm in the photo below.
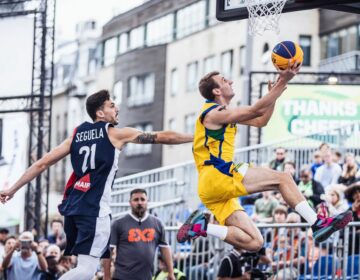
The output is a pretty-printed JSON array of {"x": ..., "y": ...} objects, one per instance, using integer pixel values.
[{"x": 146, "y": 138}]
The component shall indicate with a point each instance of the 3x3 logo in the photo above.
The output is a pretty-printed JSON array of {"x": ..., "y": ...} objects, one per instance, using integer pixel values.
[{"x": 137, "y": 235}]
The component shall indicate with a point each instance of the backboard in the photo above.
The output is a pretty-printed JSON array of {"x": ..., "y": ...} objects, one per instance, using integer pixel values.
[{"x": 228, "y": 10}]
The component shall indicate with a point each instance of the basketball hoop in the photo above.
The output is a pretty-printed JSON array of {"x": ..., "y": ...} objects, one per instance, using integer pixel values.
[{"x": 264, "y": 15}]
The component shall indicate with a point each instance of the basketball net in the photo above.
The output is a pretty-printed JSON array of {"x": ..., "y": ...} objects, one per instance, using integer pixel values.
[{"x": 264, "y": 15}]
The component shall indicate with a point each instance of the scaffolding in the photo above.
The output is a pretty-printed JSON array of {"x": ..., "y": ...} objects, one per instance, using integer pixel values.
[{"x": 37, "y": 103}]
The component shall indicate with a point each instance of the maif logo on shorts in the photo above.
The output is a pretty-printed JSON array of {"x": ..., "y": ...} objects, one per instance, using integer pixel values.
[
  {"x": 138, "y": 235},
  {"x": 83, "y": 184}
]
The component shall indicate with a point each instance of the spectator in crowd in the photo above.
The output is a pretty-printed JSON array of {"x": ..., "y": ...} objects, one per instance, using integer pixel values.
[
  {"x": 286, "y": 274},
  {"x": 290, "y": 168},
  {"x": 280, "y": 159},
  {"x": 162, "y": 273},
  {"x": 239, "y": 264},
  {"x": 329, "y": 172},
  {"x": 4, "y": 232},
  {"x": 337, "y": 157},
  {"x": 318, "y": 161},
  {"x": 350, "y": 172},
  {"x": 323, "y": 148},
  {"x": 279, "y": 217},
  {"x": 335, "y": 199},
  {"x": 352, "y": 194},
  {"x": 26, "y": 264},
  {"x": 135, "y": 238},
  {"x": 66, "y": 263},
  {"x": 289, "y": 249},
  {"x": 54, "y": 270},
  {"x": 53, "y": 250},
  {"x": 310, "y": 188},
  {"x": 58, "y": 236},
  {"x": 264, "y": 208},
  {"x": 9, "y": 243},
  {"x": 43, "y": 244}
]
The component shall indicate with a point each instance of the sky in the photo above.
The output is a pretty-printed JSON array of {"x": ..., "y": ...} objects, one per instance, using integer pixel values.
[{"x": 70, "y": 12}]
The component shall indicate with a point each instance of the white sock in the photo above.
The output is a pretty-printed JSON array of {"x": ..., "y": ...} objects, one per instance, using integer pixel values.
[
  {"x": 305, "y": 211},
  {"x": 85, "y": 269},
  {"x": 217, "y": 231}
]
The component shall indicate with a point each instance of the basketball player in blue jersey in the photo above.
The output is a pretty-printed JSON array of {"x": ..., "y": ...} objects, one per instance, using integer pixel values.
[{"x": 94, "y": 149}]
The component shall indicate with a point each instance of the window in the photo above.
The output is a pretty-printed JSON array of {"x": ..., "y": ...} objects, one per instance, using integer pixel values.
[
  {"x": 348, "y": 40},
  {"x": 226, "y": 64},
  {"x": 211, "y": 12},
  {"x": 323, "y": 47},
  {"x": 123, "y": 42},
  {"x": 190, "y": 120},
  {"x": 110, "y": 50},
  {"x": 172, "y": 124},
  {"x": 118, "y": 90},
  {"x": 137, "y": 38},
  {"x": 192, "y": 76},
  {"x": 209, "y": 64},
  {"x": 160, "y": 31},
  {"x": 190, "y": 19},
  {"x": 242, "y": 56},
  {"x": 141, "y": 89},
  {"x": 139, "y": 149},
  {"x": 305, "y": 44},
  {"x": 333, "y": 45},
  {"x": 174, "y": 82}
]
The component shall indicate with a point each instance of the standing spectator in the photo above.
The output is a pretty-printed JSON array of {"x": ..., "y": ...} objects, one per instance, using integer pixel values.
[
  {"x": 352, "y": 194},
  {"x": 329, "y": 172},
  {"x": 264, "y": 208},
  {"x": 278, "y": 162},
  {"x": 310, "y": 188},
  {"x": 3, "y": 236},
  {"x": 9, "y": 243},
  {"x": 135, "y": 238},
  {"x": 279, "y": 217},
  {"x": 318, "y": 161},
  {"x": 349, "y": 173},
  {"x": 43, "y": 244},
  {"x": 53, "y": 250},
  {"x": 290, "y": 167},
  {"x": 58, "y": 236},
  {"x": 26, "y": 264},
  {"x": 337, "y": 158}
]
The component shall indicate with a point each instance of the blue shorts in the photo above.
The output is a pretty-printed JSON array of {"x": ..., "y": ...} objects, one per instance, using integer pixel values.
[{"x": 87, "y": 235}]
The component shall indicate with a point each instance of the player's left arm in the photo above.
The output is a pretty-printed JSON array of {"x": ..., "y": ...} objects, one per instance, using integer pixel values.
[
  {"x": 119, "y": 137},
  {"x": 37, "y": 168}
]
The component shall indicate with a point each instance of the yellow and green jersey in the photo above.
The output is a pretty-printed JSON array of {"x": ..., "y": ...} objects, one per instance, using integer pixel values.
[{"x": 213, "y": 147}]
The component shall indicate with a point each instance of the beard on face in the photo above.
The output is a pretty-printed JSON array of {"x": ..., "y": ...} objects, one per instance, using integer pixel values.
[{"x": 139, "y": 210}]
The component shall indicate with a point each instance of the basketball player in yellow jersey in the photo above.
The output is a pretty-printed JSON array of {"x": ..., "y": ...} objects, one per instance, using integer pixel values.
[{"x": 221, "y": 182}]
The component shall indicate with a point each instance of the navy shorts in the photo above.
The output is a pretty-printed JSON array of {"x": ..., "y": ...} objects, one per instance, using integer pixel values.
[{"x": 87, "y": 235}]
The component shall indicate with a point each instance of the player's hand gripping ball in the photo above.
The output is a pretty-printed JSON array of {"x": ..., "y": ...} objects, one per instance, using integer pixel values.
[{"x": 286, "y": 51}]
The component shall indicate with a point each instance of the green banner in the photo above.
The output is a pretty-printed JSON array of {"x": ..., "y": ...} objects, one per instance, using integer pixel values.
[{"x": 304, "y": 109}]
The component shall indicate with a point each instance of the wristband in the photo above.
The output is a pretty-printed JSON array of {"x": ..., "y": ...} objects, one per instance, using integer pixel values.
[{"x": 38, "y": 252}]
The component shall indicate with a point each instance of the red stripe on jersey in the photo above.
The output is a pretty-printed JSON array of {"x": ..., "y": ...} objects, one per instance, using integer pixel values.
[{"x": 70, "y": 183}]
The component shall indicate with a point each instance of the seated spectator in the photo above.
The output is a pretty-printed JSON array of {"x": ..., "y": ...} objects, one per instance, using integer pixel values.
[
  {"x": 289, "y": 167},
  {"x": 317, "y": 162},
  {"x": 350, "y": 172},
  {"x": 26, "y": 264},
  {"x": 335, "y": 199},
  {"x": 310, "y": 188},
  {"x": 280, "y": 159},
  {"x": 58, "y": 235},
  {"x": 243, "y": 265},
  {"x": 329, "y": 172},
  {"x": 162, "y": 273},
  {"x": 264, "y": 208}
]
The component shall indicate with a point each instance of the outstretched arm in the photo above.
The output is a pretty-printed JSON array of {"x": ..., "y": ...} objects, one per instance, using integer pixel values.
[
  {"x": 120, "y": 137},
  {"x": 37, "y": 168},
  {"x": 259, "y": 113}
]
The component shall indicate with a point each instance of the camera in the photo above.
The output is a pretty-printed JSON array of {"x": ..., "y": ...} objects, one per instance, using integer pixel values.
[{"x": 25, "y": 244}]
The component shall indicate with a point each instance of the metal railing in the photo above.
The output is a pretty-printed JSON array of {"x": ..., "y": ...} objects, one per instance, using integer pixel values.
[
  {"x": 180, "y": 180},
  {"x": 288, "y": 247},
  {"x": 347, "y": 62}
]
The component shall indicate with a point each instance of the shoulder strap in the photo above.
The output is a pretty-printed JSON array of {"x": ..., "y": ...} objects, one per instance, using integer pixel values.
[{"x": 202, "y": 116}]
